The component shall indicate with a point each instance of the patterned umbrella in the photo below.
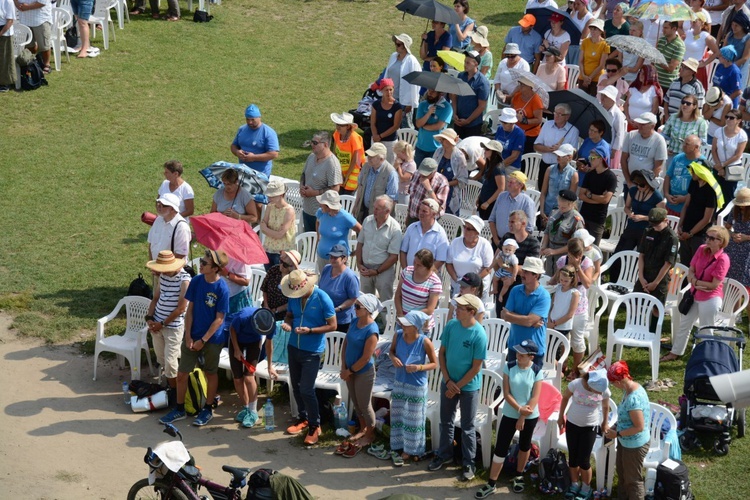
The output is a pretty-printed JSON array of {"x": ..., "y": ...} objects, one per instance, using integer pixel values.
[
  {"x": 663, "y": 10},
  {"x": 637, "y": 46},
  {"x": 539, "y": 86}
]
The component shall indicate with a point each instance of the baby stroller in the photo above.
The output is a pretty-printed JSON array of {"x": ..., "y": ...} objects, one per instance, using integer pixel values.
[{"x": 702, "y": 410}]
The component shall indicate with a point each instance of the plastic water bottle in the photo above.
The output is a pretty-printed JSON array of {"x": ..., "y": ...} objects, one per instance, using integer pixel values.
[
  {"x": 125, "y": 393},
  {"x": 268, "y": 418},
  {"x": 650, "y": 483},
  {"x": 340, "y": 415},
  {"x": 605, "y": 493}
]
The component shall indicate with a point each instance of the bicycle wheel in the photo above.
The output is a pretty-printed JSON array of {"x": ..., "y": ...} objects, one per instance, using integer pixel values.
[{"x": 160, "y": 490}]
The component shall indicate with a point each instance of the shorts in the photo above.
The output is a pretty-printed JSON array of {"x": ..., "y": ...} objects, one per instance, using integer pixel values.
[
  {"x": 167, "y": 345},
  {"x": 82, "y": 9},
  {"x": 251, "y": 352},
  {"x": 42, "y": 35},
  {"x": 211, "y": 354}
]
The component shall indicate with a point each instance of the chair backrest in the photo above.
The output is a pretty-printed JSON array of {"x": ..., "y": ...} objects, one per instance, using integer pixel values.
[
  {"x": 493, "y": 117},
  {"x": 440, "y": 315},
  {"x": 658, "y": 415},
  {"x": 451, "y": 224},
  {"x": 256, "y": 280},
  {"x": 333, "y": 354},
  {"x": 573, "y": 72},
  {"x": 307, "y": 246},
  {"x": 498, "y": 331},
  {"x": 679, "y": 273},
  {"x": 21, "y": 38},
  {"x": 61, "y": 19},
  {"x": 746, "y": 168},
  {"x": 724, "y": 213},
  {"x": 347, "y": 202},
  {"x": 491, "y": 103},
  {"x": 706, "y": 152},
  {"x": 101, "y": 9},
  {"x": 487, "y": 233},
  {"x": 433, "y": 384},
  {"x": 628, "y": 268},
  {"x": 536, "y": 197},
  {"x": 469, "y": 196},
  {"x": 673, "y": 221},
  {"x": 558, "y": 347},
  {"x": 65, "y": 5},
  {"x": 491, "y": 392},
  {"x": 389, "y": 312},
  {"x": 136, "y": 309},
  {"x": 711, "y": 70},
  {"x": 531, "y": 163},
  {"x": 619, "y": 221},
  {"x": 352, "y": 263},
  {"x": 598, "y": 301},
  {"x": 408, "y": 135},
  {"x": 293, "y": 197},
  {"x": 735, "y": 297},
  {"x": 400, "y": 211},
  {"x": 638, "y": 307}
]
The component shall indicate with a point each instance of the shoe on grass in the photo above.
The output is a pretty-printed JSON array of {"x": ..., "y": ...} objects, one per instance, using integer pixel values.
[
  {"x": 173, "y": 416},
  {"x": 251, "y": 418},
  {"x": 296, "y": 428},
  {"x": 437, "y": 463},
  {"x": 313, "y": 433},
  {"x": 242, "y": 414},
  {"x": 468, "y": 473},
  {"x": 204, "y": 417},
  {"x": 485, "y": 491}
]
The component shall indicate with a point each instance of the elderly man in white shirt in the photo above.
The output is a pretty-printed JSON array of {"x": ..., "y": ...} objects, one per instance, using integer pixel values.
[
  {"x": 554, "y": 134},
  {"x": 168, "y": 232},
  {"x": 378, "y": 247},
  {"x": 608, "y": 97},
  {"x": 425, "y": 233},
  {"x": 37, "y": 15}
]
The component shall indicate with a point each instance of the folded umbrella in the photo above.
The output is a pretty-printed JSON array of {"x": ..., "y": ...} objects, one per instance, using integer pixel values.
[
  {"x": 583, "y": 110},
  {"x": 442, "y": 82},
  {"x": 216, "y": 231},
  {"x": 542, "y": 24},
  {"x": 430, "y": 9},
  {"x": 637, "y": 46}
]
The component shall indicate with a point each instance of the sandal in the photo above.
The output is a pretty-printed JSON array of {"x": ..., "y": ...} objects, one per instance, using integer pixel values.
[
  {"x": 379, "y": 452},
  {"x": 397, "y": 460},
  {"x": 485, "y": 491},
  {"x": 669, "y": 357},
  {"x": 518, "y": 484},
  {"x": 173, "y": 18},
  {"x": 137, "y": 11},
  {"x": 352, "y": 451},
  {"x": 46, "y": 70},
  {"x": 572, "y": 491},
  {"x": 342, "y": 448}
]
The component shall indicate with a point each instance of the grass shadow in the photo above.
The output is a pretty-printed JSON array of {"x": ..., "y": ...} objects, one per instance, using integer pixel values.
[
  {"x": 89, "y": 303},
  {"x": 501, "y": 19}
]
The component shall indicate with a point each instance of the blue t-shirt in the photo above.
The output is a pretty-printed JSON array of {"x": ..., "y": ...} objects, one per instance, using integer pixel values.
[
  {"x": 521, "y": 381},
  {"x": 461, "y": 46},
  {"x": 259, "y": 141},
  {"x": 443, "y": 113},
  {"x": 728, "y": 80},
  {"x": 528, "y": 43},
  {"x": 411, "y": 354},
  {"x": 209, "y": 299},
  {"x": 466, "y": 104},
  {"x": 446, "y": 40},
  {"x": 334, "y": 230},
  {"x": 356, "y": 338},
  {"x": 511, "y": 141},
  {"x": 679, "y": 179},
  {"x": 317, "y": 310},
  {"x": 462, "y": 347},
  {"x": 244, "y": 329},
  {"x": 343, "y": 287},
  {"x": 537, "y": 302},
  {"x": 636, "y": 400}
]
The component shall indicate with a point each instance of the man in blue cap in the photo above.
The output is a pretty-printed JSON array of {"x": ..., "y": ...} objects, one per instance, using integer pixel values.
[{"x": 256, "y": 144}]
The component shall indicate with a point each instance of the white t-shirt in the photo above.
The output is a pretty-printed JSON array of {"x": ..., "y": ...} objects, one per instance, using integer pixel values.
[
  {"x": 727, "y": 146},
  {"x": 7, "y": 11},
  {"x": 561, "y": 305},
  {"x": 585, "y": 406},
  {"x": 695, "y": 47},
  {"x": 639, "y": 103},
  {"x": 557, "y": 41},
  {"x": 534, "y": 4},
  {"x": 502, "y": 76},
  {"x": 712, "y": 127},
  {"x": 470, "y": 260},
  {"x": 183, "y": 192},
  {"x": 715, "y": 15},
  {"x": 240, "y": 269}
]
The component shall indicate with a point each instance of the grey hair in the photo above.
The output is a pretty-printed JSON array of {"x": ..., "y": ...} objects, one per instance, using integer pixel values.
[
  {"x": 521, "y": 215},
  {"x": 388, "y": 201},
  {"x": 565, "y": 107},
  {"x": 323, "y": 136}
]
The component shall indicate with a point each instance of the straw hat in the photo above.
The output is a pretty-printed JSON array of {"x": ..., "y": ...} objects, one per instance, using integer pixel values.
[
  {"x": 275, "y": 188},
  {"x": 742, "y": 199},
  {"x": 297, "y": 283},
  {"x": 449, "y": 135},
  {"x": 166, "y": 262}
]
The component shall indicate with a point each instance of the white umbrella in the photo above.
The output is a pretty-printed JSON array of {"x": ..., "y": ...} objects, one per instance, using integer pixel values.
[{"x": 637, "y": 46}]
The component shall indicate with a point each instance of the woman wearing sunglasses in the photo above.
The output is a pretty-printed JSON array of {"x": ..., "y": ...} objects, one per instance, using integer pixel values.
[
  {"x": 273, "y": 299},
  {"x": 687, "y": 121},
  {"x": 726, "y": 149}
]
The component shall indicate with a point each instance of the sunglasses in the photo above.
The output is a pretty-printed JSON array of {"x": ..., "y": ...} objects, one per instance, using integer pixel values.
[
  {"x": 357, "y": 306},
  {"x": 315, "y": 143},
  {"x": 610, "y": 70},
  {"x": 399, "y": 45},
  {"x": 204, "y": 262},
  {"x": 731, "y": 117},
  {"x": 713, "y": 238},
  {"x": 640, "y": 185},
  {"x": 687, "y": 103},
  {"x": 594, "y": 157}
]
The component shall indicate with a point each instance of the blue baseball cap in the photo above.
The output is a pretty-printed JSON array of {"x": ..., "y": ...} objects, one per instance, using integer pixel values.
[
  {"x": 252, "y": 111},
  {"x": 526, "y": 347}
]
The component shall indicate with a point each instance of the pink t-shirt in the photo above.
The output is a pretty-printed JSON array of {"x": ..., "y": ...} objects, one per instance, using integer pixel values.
[{"x": 708, "y": 272}]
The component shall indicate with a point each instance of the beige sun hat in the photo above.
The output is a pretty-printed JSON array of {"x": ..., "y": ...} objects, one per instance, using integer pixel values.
[
  {"x": 275, "y": 188},
  {"x": 449, "y": 135},
  {"x": 297, "y": 283},
  {"x": 331, "y": 199},
  {"x": 742, "y": 199},
  {"x": 343, "y": 118},
  {"x": 166, "y": 262}
]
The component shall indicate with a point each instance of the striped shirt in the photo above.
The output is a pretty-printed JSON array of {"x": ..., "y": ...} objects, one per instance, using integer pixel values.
[
  {"x": 678, "y": 90},
  {"x": 416, "y": 295},
  {"x": 169, "y": 296},
  {"x": 671, "y": 50}
]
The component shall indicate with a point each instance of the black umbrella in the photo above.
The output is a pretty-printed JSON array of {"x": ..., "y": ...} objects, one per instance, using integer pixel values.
[
  {"x": 430, "y": 9},
  {"x": 543, "y": 23},
  {"x": 584, "y": 109},
  {"x": 442, "y": 82}
]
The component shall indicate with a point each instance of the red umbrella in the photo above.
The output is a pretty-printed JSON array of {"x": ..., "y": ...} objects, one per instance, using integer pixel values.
[{"x": 216, "y": 231}]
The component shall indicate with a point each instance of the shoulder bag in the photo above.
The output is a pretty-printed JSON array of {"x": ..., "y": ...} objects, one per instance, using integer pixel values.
[{"x": 689, "y": 296}]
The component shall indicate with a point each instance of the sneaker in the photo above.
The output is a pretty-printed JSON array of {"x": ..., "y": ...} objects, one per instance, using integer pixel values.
[
  {"x": 173, "y": 416},
  {"x": 437, "y": 463},
  {"x": 298, "y": 427},
  {"x": 241, "y": 415},
  {"x": 203, "y": 417},
  {"x": 4, "y": 88},
  {"x": 485, "y": 491},
  {"x": 468, "y": 473},
  {"x": 312, "y": 436},
  {"x": 251, "y": 418}
]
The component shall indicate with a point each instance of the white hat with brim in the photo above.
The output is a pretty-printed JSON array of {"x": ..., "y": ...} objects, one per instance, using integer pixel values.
[
  {"x": 405, "y": 39},
  {"x": 165, "y": 262},
  {"x": 533, "y": 265},
  {"x": 526, "y": 81},
  {"x": 508, "y": 115},
  {"x": 331, "y": 199},
  {"x": 343, "y": 119},
  {"x": 645, "y": 118},
  {"x": 476, "y": 222},
  {"x": 565, "y": 150},
  {"x": 371, "y": 304},
  {"x": 481, "y": 40},
  {"x": 170, "y": 200},
  {"x": 512, "y": 49},
  {"x": 598, "y": 24},
  {"x": 585, "y": 236},
  {"x": 493, "y": 145},
  {"x": 449, "y": 135},
  {"x": 609, "y": 91},
  {"x": 297, "y": 283}
]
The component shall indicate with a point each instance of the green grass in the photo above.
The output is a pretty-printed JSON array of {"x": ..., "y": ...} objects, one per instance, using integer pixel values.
[{"x": 83, "y": 157}]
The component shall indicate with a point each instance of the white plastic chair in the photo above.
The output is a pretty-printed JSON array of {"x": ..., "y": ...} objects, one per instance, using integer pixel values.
[
  {"x": 733, "y": 303},
  {"x": 637, "y": 329},
  {"x": 555, "y": 357},
  {"x": 493, "y": 116},
  {"x": 725, "y": 212},
  {"x": 440, "y": 315},
  {"x": 102, "y": 17},
  {"x": 628, "y": 272},
  {"x": 21, "y": 38},
  {"x": 451, "y": 224},
  {"x": 307, "y": 246},
  {"x": 530, "y": 163},
  {"x": 129, "y": 344},
  {"x": 573, "y": 72},
  {"x": 329, "y": 375},
  {"x": 746, "y": 168},
  {"x": 498, "y": 331},
  {"x": 490, "y": 397},
  {"x": 674, "y": 295},
  {"x": 658, "y": 448},
  {"x": 433, "y": 406},
  {"x": 487, "y": 232},
  {"x": 389, "y": 314},
  {"x": 710, "y": 71},
  {"x": 469, "y": 196},
  {"x": 600, "y": 452},
  {"x": 352, "y": 262},
  {"x": 598, "y": 304},
  {"x": 536, "y": 197},
  {"x": 282, "y": 370},
  {"x": 61, "y": 21},
  {"x": 65, "y": 4},
  {"x": 618, "y": 200},
  {"x": 707, "y": 152},
  {"x": 347, "y": 203},
  {"x": 673, "y": 221},
  {"x": 256, "y": 280},
  {"x": 122, "y": 11},
  {"x": 408, "y": 135},
  {"x": 619, "y": 221},
  {"x": 400, "y": 212}
]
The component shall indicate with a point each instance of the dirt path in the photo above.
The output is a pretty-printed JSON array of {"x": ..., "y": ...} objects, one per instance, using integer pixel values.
[{"x": 66, "y": 436}]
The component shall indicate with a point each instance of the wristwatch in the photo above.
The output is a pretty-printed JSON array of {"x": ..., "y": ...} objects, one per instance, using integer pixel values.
[{"x": 589, "y": 195}]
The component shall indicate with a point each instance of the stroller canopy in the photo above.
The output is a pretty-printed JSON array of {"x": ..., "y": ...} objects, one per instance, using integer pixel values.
[{"x": 709, "y": 358}]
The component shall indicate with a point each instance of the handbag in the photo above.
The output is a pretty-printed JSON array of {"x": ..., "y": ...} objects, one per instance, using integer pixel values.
[
  {"x": 686, "y": 303},
  {"x": 734, "y": 173}
]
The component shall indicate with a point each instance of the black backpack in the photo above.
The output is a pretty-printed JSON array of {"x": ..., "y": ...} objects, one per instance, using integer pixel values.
[
  {"x": 260, "y": 485},
  {"x": 32, "y": 76},
  {"x": 673, "y": 484},
  {"x": 554, "y": 476},
  {"x": 140, "y": 288}
]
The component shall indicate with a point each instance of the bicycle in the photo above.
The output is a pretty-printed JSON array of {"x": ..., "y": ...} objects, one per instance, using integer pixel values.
[{"x": 182, "y": 481}]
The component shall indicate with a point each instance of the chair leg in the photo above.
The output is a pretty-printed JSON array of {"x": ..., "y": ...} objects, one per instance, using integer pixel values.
[
  {"x": 610, "y": 346},
  {"x": 619, "y": 351},
  {"x": 654, "y": 352},
  {"x": 96, "y": 361},
  {"x": 56, "y": 54},
  {"x": 600, "y": 462},
  {"x": 148, "y": 358}
]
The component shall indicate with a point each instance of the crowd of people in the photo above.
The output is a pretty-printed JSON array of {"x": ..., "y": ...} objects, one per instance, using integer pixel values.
[{"x": 533, "y": 283}]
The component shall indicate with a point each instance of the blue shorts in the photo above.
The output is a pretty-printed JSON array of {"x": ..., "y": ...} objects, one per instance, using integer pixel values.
[{"x": 82, "y": 8}]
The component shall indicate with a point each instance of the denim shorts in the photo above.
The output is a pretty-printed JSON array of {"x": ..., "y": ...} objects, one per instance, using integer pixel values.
[{"x": 82, "y": 8}]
